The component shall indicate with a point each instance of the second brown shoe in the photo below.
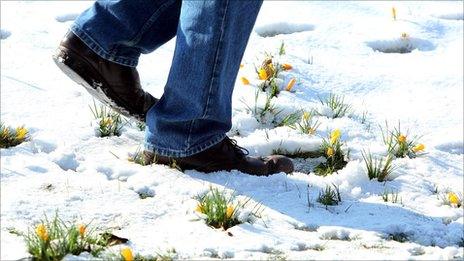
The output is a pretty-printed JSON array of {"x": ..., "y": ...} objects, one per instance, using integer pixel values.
[
  {"x": 115, "y": 85},
  {"x": 226, "y": 155}
]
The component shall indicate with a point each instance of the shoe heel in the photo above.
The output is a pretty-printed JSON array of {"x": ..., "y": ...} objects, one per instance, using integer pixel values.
[{"x": 73, "y": 66}]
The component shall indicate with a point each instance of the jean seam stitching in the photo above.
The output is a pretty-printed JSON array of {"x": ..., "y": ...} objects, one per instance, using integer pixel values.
[
  {"x": 216, "y": 59},
  {"x": 190, "y": 132},
  {"x": 184, "y": 153},
  {"x": 149, "y": 22}
]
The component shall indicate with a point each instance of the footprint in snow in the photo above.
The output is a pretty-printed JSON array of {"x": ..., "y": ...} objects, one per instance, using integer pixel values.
[
  {"x": 66, "y": 161},
  {"x": 4, "y": 34},
  {"x": 66, "y": 17},
  {"x": 37, "y": 169},
  {"x": 451, "y": 147},
  {"x": 273, "y": 29},
  {"x": 451, "y": 16},
  {"x": 400, "y": 45}
]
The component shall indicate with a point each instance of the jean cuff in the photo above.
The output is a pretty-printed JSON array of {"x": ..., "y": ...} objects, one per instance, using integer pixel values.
[
  {"x": 94, "y": 46},
  {"x": 168, "y": 152}
]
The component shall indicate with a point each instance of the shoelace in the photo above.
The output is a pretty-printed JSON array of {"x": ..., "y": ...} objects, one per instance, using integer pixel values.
[{"x": 232, "y": 144}]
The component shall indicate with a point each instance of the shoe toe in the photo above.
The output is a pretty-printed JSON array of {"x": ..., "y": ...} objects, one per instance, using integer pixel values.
[{"x": 279, "y": 163}]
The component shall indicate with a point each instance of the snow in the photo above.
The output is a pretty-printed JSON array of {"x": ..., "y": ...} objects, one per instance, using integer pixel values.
[
  {"x": 4, "y": 34},
  {"x": 273, "y": 29},
  {"x": 348, "y": 48},
  {"x": 66, "y": 17}
]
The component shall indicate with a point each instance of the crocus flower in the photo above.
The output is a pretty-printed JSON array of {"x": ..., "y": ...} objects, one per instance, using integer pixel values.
[
  {"x": 401, "y": 138},
  {"x": 126, "y": 254},
  {"x": 418, "y": 147},
  {"x": 286, "y": 66},
  {"x": 306, "y": 115},
  {"x": 81, "y": 228},
  {"x": 245, "y": 81},
  {"x": 330, "y": 152},
  {"x": 335, "y": 135},
  {"x": 41, "y": 232},
  {"x": 262, "y": 74},
  {"x": 453, "y": 199},
  {"x": 21, "y": 133},
  {"x": 290, "y": 84},
  {"x": 230, "y": 211},
  {"x": 106, "y": 121},
  {"x": 394, "y": 13},
  {"x": 199, "y": 208}
]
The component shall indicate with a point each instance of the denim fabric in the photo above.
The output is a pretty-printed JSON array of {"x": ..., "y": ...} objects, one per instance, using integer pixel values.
[
  {"x": 194, "y": 112},
  {"x": 119, "y": 31}
]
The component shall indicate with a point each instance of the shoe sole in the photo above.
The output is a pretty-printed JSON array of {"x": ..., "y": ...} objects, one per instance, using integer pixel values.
[{"x": 93, "y": 83}]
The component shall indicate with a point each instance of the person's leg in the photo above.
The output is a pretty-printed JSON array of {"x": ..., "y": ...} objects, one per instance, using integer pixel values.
[
  {"x": 121, "y": 30},
  {"x": 194, "y": 112},
  {"x": 104, "y": 45},
  {"x": 189, "y": 123}
]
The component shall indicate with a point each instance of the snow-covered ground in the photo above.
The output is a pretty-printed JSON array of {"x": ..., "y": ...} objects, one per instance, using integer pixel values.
[{"x": 334, "y": 47}]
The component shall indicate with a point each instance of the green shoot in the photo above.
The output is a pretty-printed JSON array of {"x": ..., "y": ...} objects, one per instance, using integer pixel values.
[
  {"x": 329, "y": 196},
  {"x": 378, "y": 168}
]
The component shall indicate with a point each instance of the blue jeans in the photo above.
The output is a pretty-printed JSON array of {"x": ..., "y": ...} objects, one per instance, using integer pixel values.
[{"x": 194, "y": 112}]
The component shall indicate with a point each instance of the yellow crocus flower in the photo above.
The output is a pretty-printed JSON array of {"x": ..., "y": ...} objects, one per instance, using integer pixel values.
[
  {"x": 453, "y": 199},
  {"x": 262, "y": 74},
  {"x": 230, "y": 211},
  {"x": 306, "y": 116},
  {"x": 199, "y": 208},
  {"x": 394, "y": 13},
  {"x": 81, "y": 228},
  {"x": 286, "y": 66},
  {"x": 330, "y": 152},
  {"x": 335, "y": 135},
  {"x": 106, "y": 121},
  {"x": 290, "y": 85},
  {"x": 418, "y": 147},
  {"x": 21, "y": 133},
  {"x": 401, "y": 138},
  {"x": 245, "y": 81},
  {"x": 404, "y": 35},
  {"x": 126, "y": 254},
  {"x": 41, "y": 232}
]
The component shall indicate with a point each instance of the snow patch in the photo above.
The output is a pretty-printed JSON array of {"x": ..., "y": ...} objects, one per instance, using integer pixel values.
[
  {"x": 273, "y": 29},
  {"x": 451, "y": 16},
  {"x": 400, "y": 45},
  {"x": 329, "y": 233},
  {"x": 66, "y": 17},
  {"x": 453, "y": 147},
  {"x": 42, "y": 145},
  {"x": 4, "y": 34},
  {"x": 66, "y": 160}
]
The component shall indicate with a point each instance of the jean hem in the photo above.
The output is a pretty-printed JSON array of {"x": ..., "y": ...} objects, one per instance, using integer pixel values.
[
  {"x": 167, "y": 152},
  {"x": 94, "y": 46}
]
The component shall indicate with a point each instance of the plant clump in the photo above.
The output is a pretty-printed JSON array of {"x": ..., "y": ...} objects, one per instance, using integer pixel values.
[
  {"x": 10, "y": 137},
  {"x": 221, "y": 210},
  {"x": 329, "y": 196},
  {"x": 336, "y": 103},
  {"x": 378, "y": 168},
  {"x": 109, "y": 122},
  {"x": 54, "y": 239},
  {"x": 400, "y": 144},
  {"x": 334, "y": 154}
]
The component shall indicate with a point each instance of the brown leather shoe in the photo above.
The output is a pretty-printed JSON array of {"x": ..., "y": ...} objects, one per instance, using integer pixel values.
[
  {"x": 115, "y": 85},
  {"x": 226, "y": 155}
]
